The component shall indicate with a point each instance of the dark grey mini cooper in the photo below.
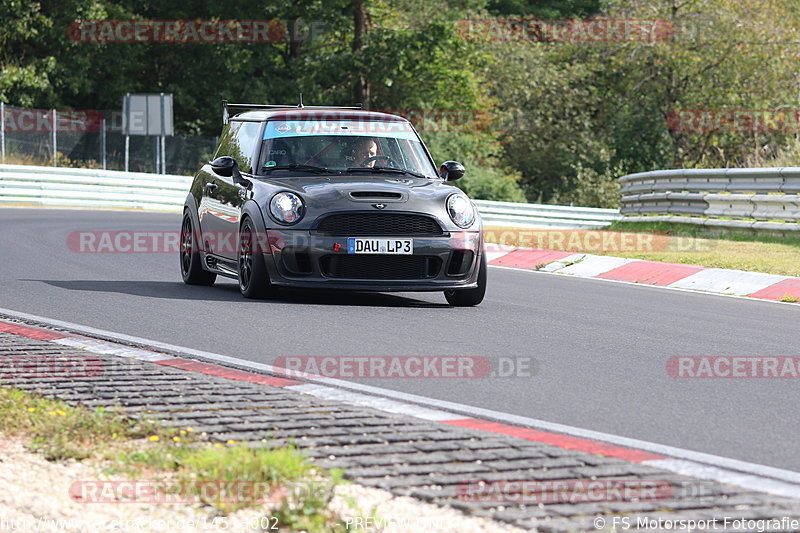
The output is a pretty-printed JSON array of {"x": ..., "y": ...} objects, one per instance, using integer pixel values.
[{"x": 330, "y": 198}]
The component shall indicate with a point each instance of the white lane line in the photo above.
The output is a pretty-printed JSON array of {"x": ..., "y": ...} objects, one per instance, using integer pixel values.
[{"x": 729, "y": 466}]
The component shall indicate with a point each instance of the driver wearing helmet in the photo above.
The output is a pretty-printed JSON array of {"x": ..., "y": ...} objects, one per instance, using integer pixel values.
[{"x": 364, "y": 149}]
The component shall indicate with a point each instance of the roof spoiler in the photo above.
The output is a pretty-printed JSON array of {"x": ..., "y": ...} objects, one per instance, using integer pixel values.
[{"x": 227, "y": 105}]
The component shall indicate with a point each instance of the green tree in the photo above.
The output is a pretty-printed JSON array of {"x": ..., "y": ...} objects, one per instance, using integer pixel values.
[{"x": 580, "y": 114}]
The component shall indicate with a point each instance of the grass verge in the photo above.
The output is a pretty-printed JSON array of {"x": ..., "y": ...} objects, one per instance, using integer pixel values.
[
  {"x": 226, "y": 477},
  {"x": 61, "y": 432}
]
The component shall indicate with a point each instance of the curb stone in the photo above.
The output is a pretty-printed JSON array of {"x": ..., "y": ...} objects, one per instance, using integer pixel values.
[{"x": 408, "y": 452}]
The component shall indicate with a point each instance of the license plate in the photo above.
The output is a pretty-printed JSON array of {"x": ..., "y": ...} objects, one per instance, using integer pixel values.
[{"x": 366, "y": 245}]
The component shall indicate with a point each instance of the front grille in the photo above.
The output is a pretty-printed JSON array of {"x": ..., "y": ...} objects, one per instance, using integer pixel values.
[
  {"x": 392, "y": 224},
  {"x": 382, "y": 267}
]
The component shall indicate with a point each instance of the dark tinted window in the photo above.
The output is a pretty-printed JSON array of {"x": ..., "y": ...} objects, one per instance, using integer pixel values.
[
  {"x": 228, "y": 132},
  {"x": 247, "y": 139},
  {"x": 341, "y": 152},
  {"x": 239, "y": 140}
]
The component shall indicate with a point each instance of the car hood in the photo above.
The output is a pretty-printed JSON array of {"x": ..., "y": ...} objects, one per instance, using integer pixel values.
[
  {"x": 327, "y": 189},
  {"x": 325, "y": 194}
]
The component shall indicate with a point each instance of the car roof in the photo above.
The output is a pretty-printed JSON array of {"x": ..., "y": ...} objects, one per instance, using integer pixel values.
[{"x": 316, "y": 114}]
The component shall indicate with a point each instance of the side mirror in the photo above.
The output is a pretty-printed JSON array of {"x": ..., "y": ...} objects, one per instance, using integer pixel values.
[
  {"x": 226, "y": 166},
  {"x": 451, "y": 170}
]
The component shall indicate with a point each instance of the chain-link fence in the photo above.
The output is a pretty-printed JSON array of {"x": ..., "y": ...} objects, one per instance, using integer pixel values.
[{"x": 92, "y": 139}]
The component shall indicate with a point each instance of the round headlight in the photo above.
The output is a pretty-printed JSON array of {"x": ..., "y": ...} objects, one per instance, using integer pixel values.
[
  {"x": 460, "y": 209},
  {"x": 287, "y": 208}
]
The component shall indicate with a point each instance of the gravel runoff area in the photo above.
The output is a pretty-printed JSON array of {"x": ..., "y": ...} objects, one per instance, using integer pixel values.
[
  {"x": 406, "y": 456},
  {"x": 36, "y": 497}
]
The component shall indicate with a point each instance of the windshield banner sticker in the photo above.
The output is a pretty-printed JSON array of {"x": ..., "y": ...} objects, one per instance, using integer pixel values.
[{"x": 300, "y": 128}]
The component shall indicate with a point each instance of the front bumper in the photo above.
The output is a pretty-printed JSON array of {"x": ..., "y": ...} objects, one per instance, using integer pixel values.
[{"x": 298, "y": 258}]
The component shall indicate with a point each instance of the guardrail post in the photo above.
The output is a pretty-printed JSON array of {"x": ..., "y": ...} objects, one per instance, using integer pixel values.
[
  {"x": 55, "y": 139},
  {"x": 2, "y": 132},
  {"x": 103, "y": 140},
  {"x": 163, "y": 159}
]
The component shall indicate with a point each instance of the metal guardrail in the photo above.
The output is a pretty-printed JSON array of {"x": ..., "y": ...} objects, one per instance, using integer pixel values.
[
  {"x": 752, "y": 198},
  {"x": 78, "y": 187},
  {"x": 509, "y": 214},
  {"x": 81, "y": 187}
]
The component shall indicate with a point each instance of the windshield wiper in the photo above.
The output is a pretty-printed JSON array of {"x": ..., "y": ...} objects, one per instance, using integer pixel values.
[
  {"x": 310, "y": 168},
  {"x": 387, "y": 169}
]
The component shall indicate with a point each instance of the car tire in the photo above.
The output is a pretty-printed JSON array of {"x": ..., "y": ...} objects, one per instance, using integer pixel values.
[
  {"x": 192, "y": 270},
  {"x": 254, "y": 279},
  {"x": 469, "y": 297}
]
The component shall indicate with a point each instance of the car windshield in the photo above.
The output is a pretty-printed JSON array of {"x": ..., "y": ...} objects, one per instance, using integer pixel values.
[{"x": 343, "y": 146}]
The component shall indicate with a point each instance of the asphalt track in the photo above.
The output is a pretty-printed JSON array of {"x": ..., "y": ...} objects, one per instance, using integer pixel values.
[{"x": 600, "y": 348}]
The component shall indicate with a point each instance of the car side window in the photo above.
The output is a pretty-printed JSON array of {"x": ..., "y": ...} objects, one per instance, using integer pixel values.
[
  {"x": 238, "y": 140},
  {"x": 228, "y": 133},
  {"x": 246, "y": 139}
]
